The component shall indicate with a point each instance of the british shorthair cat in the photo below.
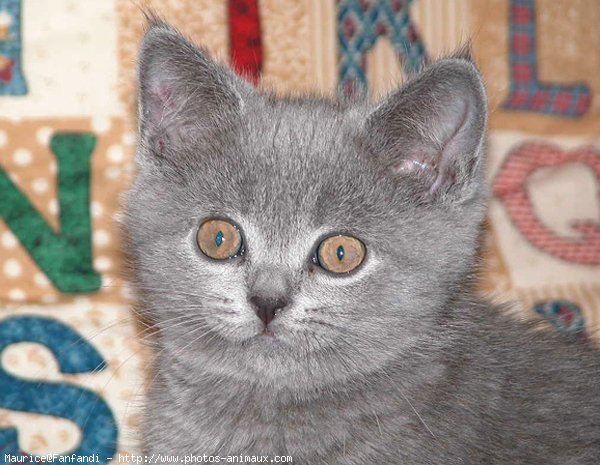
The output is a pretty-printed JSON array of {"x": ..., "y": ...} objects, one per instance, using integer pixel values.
[{"x": 309, "y": 264}]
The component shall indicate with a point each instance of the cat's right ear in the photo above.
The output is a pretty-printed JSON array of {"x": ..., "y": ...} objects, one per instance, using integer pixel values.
[{"x": 183, "y": 93}]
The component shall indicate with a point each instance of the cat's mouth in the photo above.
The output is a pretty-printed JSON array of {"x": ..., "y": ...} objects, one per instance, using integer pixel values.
[{"x": 267, "y": 332}]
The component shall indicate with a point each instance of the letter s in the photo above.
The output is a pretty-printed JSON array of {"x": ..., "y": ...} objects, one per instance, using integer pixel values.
[{"x": 59, "y": 399}]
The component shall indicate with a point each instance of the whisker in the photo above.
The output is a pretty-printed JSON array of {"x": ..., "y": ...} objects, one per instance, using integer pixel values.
[{"x": 173, "y": 291}]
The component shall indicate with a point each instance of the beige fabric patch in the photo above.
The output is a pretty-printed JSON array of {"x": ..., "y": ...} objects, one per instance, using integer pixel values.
[{"x": 69, "y": 60}]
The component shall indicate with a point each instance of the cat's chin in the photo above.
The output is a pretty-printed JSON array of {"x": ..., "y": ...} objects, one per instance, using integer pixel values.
[{"x": 266, "y": 339}]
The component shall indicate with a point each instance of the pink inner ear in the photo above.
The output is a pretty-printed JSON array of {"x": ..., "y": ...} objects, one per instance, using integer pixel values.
[
  {"x": 168, "y": 123},
  {"x": 412, "y": 166},
  {"x": 435, "y": 161},
  {"x": 160, "y": 96},
  {"x": 420, "y": 166},
  {"x": 162, "y": 93},
  {"x": 161, "y": 145}
]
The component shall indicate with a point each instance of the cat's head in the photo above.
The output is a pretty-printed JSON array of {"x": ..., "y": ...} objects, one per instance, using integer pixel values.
[{"x": 346, "y": 227}]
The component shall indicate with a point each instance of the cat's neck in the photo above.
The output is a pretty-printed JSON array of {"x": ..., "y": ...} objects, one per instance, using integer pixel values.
[{"x": 306, "y": 424}]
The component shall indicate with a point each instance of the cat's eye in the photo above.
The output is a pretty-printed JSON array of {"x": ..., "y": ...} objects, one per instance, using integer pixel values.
[
  {"x": 341, "y": 254},
  {"x": 219, "y": 239}
]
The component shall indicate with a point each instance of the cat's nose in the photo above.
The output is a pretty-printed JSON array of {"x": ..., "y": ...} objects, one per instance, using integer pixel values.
[{"x": 267, "y": 308}]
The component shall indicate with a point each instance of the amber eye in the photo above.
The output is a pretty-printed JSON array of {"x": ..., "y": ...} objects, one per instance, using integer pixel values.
[
  {"x": 219, "y": 239},
  {"x": 341, "y": 254}
]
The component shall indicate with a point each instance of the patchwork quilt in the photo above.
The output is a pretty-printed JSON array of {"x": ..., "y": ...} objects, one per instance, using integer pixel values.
[{"x": 73, "y": 368}]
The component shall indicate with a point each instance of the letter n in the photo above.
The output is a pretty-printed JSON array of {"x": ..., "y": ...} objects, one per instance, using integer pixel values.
[{"x": 65, "y": 256}]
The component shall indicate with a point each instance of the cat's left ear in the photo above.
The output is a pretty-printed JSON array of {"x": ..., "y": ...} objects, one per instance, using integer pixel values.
[{"x": 432, "y": 129}]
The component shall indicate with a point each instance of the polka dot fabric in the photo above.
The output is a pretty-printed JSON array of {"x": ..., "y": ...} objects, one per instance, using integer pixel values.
[{"x": 32, "y": 167}]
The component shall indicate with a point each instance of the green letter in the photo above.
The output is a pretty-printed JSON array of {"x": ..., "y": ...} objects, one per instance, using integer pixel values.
[{"x": 65, "y": 257}]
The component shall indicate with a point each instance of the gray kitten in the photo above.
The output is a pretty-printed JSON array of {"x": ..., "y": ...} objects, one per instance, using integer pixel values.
[{"x": 309, "y": 267}]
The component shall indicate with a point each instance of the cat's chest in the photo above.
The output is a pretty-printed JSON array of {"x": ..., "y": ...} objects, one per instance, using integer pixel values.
[{"x": 322, "y": 431}]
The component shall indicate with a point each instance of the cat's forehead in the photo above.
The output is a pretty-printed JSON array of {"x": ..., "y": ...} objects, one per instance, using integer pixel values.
[
  {"x": 302, "y": 127},
  {"x": 294, "y": 164},
  {"x": 304, "y": 152}
]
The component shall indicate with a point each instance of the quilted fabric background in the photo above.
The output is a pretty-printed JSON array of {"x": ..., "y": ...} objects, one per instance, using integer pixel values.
[{"x": 72, "y": 366}]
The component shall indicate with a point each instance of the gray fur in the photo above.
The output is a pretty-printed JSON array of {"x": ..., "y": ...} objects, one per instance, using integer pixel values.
[{"x": 397, "y": 363}]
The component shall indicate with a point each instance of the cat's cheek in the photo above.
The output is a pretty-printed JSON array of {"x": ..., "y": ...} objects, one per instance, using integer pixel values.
[{"x": 321, "y": 289}]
